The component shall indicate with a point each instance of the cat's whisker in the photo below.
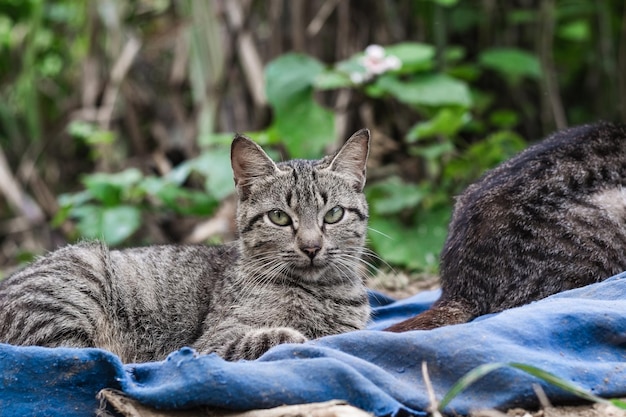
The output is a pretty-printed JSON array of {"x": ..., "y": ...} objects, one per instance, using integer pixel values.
[
  {"x": 349, "y": 266},
  {"x": 360, "y": 260},
  {"x": 349, "y": 269},
  {"x": 344, "y": 274},
  {"x": 368, "y": 253},
  {"x": 380, "y": 233},
  {"x": 260, "y": 277}
]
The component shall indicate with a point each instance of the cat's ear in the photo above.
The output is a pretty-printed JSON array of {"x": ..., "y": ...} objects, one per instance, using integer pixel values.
[
  {"x": 352, "y": 158},
  {"x": 249, "y": 162}
]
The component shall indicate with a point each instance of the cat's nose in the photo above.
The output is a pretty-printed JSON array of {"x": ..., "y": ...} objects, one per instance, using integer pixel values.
[{"x": 311, "y": 251}]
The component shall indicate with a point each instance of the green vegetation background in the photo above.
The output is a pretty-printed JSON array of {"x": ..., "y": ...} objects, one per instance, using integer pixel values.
[{"x": 116, "y": 116}]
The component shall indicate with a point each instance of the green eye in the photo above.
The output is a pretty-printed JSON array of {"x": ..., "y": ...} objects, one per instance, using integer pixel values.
[
  {"x": 333, "y": 215},
  {"x": 279, "y": 218}
]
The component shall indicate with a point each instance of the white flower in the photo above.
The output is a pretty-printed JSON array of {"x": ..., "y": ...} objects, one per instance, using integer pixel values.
[
  {"x": 393, "y": 62},
  {"x": 357, "y": 77},
  {"x": 376, "y": 52},
  {"x": 376, "y": 62}
]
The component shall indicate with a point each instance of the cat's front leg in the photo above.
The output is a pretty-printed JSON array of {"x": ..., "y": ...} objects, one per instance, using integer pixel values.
[
  {"x": 256, "y": 342},
  {"x": 247, "y": 342}
]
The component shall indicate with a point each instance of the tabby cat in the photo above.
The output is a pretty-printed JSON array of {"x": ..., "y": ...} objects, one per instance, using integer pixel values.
[
  {"x": 293, "y": 275},
  {"x": 548, "y": 220}
]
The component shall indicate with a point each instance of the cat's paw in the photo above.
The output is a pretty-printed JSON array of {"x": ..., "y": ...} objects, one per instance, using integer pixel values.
[{"x": 256, "y": 342}]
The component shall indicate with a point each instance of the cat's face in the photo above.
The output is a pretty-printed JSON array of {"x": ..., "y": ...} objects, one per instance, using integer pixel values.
[{"x": 299, "y": 219}]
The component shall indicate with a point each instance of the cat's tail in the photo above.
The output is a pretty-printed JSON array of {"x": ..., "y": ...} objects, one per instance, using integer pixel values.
[{"x": 443, "y": 313}]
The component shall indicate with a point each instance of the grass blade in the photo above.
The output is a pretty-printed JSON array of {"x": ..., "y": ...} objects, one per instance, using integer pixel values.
[
  {"x": 618, "y": 403},
  {"x": 558, "y": 382},
  {"x": 467, "y": 380},
  {"x": 482, "y": 370}
]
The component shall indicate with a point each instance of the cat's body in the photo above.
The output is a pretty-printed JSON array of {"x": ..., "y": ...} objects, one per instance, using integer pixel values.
[
  {"x": 293, "y": 275},
  {"x": 548, "y": 220}
]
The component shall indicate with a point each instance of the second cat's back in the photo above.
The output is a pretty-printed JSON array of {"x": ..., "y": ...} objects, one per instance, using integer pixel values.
[{"x": 550, "y": 219}]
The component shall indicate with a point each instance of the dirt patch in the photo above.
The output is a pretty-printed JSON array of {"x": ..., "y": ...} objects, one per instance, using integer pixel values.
[
  {"x": 595, "y": 410},
  {"x": 402, "y": 285}
]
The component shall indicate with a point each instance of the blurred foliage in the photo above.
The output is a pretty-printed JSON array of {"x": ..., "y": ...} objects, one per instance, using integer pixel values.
[{"x": 457, "y": 88}]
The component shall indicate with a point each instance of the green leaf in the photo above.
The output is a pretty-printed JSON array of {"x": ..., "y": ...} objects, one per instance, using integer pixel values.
[
  {"x": 74, "y": 199},
  {"x": 503, "y": 118},
  {"x": 486, "y": 154},
  {"x": 351, "y": 65},
  {"x": 123, "y": 179},
  {"x": 465, "y": 72},
  {"x": 288, "y": 76},
  {"x": 576, "y": 31},
  {"x": 332, "y": 80},
  {"x": 300, "y": 123},
  {"x": 90, "y": 133},
  {"x": 453, "y": 54},
  {"x": 119, "y": 223},
  {"x": 427, "y": 90},
  {"x": 495, "y": 148},
  {"x": 215, "y": 166},
  {"x": 67, "y": 203},
  {"x": 113, "y": 225},
  {"x": 446, "y": 122},
  {"x": 263, "y": 137},
  {"x": 306, "y": 129},
  {"x": 210, "y": 139},
  {"x": 51, "y": 65},
  {"x": 416, "y": 247},
  {"x": 60, "y": 216},
  {"x": 153, "y": 185},
  {"x": 103, "y": 191},
  {"x": 374, "y": 91},
  {"x": 512, "y": 63},
  {"x": 414, "y": 56},
  {"x": 434, "y": 151},
  {"x": 6, "y": 27},
  {"x": 522, "y": 17},
  {"x": 179, "y": 199},
  {"x": 186, "y": 202},
  {"x": 110, "y": 188},
  {"x": 180, "y": 173},
  {"x": 445, "y": 3},
  {"x": 393, "y": 195}
]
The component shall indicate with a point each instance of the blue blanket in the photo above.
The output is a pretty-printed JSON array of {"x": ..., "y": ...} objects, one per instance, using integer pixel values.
[{"x": 578, "y": 335}]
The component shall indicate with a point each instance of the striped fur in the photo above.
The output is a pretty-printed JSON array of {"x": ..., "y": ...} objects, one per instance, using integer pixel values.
[
  {"x": 550, "y": 219},
  {"x": 277, "y": 284}
]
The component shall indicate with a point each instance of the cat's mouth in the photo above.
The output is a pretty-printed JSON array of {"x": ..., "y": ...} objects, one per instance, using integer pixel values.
[{"x": 311, "y": 269}]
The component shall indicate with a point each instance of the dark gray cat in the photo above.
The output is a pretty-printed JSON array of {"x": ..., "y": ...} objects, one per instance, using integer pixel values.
[
  {"x": 548, "y": 220},
  {"x": 295, "y": 273}
]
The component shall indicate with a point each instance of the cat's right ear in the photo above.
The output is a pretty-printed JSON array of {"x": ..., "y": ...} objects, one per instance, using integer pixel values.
[
  {"x": 249, "y": 162},
  {"x": 351, "y": 159}
]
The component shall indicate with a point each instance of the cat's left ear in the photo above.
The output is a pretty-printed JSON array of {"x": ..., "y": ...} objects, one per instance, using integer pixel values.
[
  {"x": 351, "y": 159},
  {"x": 249, "y": 162}
]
